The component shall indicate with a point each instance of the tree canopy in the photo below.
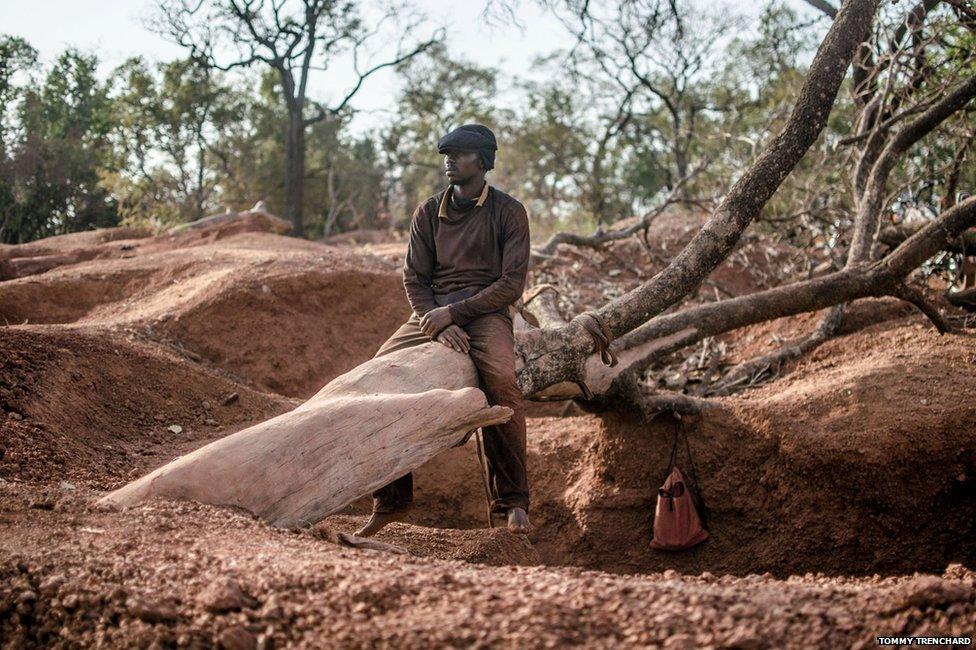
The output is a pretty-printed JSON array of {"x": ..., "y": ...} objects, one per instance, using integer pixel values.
[{"x": 655, "y": 103}]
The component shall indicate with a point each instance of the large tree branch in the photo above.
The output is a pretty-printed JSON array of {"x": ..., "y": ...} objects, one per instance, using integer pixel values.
[
  {"x": 916, "y": 296},
  {"x": 823, "y": 6},
  {"x": 877, "y": 157},
  {"x": 930, "y": 239},
  {"x": 670, "y": 332},
  {"x": 718, "y": 236},
  {"x": 892, "y": 236},
  {"x": 558, "y": 355}
]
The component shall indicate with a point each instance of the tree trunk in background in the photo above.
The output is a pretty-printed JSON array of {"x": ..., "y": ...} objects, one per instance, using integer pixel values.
[{"x": 295, "y": 170}]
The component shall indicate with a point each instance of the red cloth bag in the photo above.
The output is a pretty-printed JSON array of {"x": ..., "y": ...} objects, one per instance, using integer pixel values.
[{"x": 678, "y": 518}]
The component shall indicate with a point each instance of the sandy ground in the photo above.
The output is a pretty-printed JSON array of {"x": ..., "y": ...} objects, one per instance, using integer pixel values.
[{"x": 828, "y": 488}]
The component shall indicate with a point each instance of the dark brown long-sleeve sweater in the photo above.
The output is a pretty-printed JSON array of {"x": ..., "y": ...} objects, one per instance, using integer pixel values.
[{"x": 474, "y": 261}]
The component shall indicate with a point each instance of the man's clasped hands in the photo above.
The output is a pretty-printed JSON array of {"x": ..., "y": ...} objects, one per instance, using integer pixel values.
[{"x": 439, "y": 322}]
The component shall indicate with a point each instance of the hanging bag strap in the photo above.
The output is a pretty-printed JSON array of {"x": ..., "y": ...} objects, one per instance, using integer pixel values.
[
  {"x": 693, "y": 473},
  {"x": 692, "y": 470},
  {"x": 674, "y": 452},
  {"x": 657, "y": 488}
]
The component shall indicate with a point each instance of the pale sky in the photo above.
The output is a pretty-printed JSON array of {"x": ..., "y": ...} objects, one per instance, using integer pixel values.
[{"x": 113, "y": 30}]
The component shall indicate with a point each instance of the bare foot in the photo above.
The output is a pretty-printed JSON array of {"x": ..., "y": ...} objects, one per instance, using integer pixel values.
[
  {"x": 378, "y": 520},
  {"x": 518, "y": 521}
]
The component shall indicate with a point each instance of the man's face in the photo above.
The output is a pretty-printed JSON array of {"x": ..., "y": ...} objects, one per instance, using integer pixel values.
[{"x": 461, "y": 166}]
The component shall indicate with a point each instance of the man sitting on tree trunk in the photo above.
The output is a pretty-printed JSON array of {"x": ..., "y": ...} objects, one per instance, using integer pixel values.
[{"x": 465, "y": 268}]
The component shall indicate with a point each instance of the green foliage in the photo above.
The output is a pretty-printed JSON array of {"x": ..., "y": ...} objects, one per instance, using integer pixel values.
[
  {"x": 169, "y": 123},
  {"x": 651, "y": 92},
  {"x": 344, "y": 175},
  {"x": 17, "y": 57},
  {"x": 55, "y": 146}
]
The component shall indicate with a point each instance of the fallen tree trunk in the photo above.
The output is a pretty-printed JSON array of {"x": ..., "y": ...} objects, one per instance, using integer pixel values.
[{"x": 365, "y": 428}]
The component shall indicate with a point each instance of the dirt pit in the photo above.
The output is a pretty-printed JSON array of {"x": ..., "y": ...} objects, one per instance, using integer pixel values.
[
  {"x": 828, "y": 488},
  {"x": 814, "y": 471}
]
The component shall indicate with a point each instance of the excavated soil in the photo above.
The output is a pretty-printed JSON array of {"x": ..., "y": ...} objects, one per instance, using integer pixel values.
[
  {"x": 828, "y": 487},
  {"x": 90, "y": 408},
  {"x": 279, "y": 314}
]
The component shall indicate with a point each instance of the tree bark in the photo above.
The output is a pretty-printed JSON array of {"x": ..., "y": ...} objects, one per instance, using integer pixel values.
[
  {"x": 669, "y": 332},
  {"x": 871, "y": 203},
  {"x": 892, "y": 236}
]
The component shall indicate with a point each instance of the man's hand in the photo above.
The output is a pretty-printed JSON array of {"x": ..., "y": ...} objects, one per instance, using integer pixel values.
[
  {"x": 435, "y": 320},
  {"x": 455, "y": 337}
]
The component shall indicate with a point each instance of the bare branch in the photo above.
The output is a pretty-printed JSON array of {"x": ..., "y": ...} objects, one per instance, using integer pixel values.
[
  {"x": 749, "y": 373},
  {"x": 868, "y": 216},
  {"x": 398, "y": 59},
  {"x": 600, "y": 237},
  {"x": 886, "y": 277},
  {"x": 823, "y": 6},
  {"x": 746, "y": 198},
  {"x": 913, "y": 294}
]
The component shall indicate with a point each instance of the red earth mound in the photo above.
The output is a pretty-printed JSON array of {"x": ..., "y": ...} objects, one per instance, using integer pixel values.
[
  {"x": 814, "y": 471},
  {"x": 278, "y": 313},
  {"x": 83, "y": 407},
  {"x": 18, "y": 260},
  {"x": 35, "y": 257}
]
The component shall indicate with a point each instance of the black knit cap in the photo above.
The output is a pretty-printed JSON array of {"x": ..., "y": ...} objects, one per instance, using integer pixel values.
[{"x": 471, "y": 137}]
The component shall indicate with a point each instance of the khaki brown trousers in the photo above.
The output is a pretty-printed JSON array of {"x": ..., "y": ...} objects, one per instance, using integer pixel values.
[{"x": 492, "y": 348}]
